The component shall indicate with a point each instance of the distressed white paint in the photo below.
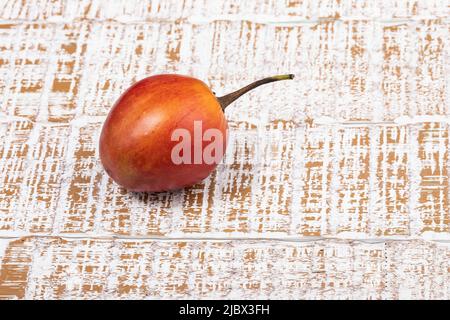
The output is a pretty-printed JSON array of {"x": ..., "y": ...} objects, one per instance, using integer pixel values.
[
  {"x": 3, "y": 246},
  {"x": 309, "y": 161}
]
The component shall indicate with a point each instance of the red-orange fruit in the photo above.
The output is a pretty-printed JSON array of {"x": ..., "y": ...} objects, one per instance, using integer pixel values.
[{"x": 136, "y": 142}]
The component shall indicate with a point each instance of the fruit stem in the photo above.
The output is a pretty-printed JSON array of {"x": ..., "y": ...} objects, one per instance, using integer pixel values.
[{"x": 229, "y": 98}]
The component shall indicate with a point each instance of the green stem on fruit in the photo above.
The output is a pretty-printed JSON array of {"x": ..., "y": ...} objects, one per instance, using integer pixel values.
[{"x": 229, "y": 98}]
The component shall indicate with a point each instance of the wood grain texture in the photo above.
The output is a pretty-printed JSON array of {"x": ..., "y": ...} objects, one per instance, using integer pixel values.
[
  {"x": 59, "y": 268},
  {"x": 356, "y": 148}
]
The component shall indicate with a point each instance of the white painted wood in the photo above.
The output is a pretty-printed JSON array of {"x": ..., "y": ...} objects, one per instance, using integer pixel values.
[{"x": 355, "y": 148}]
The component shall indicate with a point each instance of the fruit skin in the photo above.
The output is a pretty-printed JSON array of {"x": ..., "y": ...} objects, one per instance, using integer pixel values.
[{"x": 135, "y": 142}]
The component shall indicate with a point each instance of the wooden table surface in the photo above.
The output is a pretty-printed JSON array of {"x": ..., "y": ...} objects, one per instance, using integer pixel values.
[{"x": 335, "y": 185}]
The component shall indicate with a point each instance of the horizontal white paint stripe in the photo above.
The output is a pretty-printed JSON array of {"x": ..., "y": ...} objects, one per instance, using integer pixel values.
[
  {"x": 256, "y": 18},
  {"x": 426, "y": 237}
]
